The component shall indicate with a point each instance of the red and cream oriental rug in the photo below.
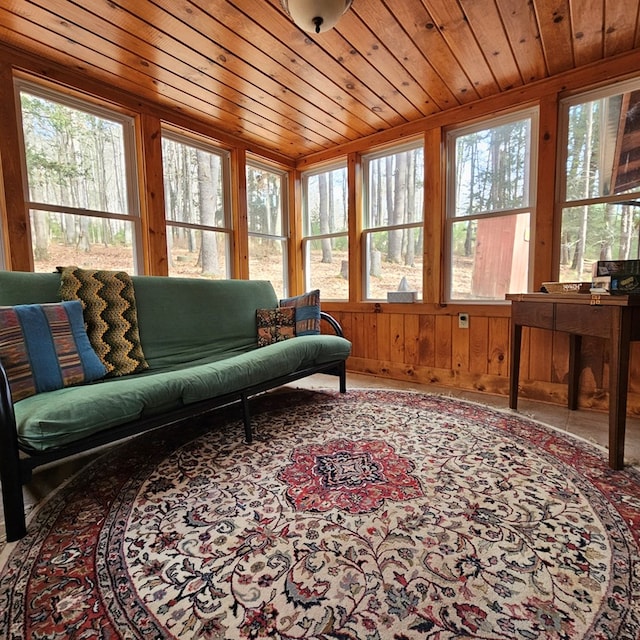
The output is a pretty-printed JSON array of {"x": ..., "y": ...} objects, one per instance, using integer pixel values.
[{"x": 372, "y": 515}]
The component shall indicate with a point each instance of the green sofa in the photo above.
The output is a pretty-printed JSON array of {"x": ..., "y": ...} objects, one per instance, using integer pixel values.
[{"x": 199, "y": 339}]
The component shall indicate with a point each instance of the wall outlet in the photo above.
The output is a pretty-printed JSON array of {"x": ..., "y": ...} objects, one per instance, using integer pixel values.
[{"x": 463, "y": 320}]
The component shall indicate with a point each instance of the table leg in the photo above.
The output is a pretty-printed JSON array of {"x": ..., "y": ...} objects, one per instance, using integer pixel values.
[
  {"x": 514, "y": 365},
  {"x": 575, "y": 347},
  {"x": 618, "y": 385}
]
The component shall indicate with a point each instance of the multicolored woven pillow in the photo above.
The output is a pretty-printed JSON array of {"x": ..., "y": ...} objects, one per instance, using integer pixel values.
[
  {"x": 275, "y": 325},
  {"x": 307, "y": 308},
  {"x": 108, "y": 300},
  {"x": 44, "y": 347}
]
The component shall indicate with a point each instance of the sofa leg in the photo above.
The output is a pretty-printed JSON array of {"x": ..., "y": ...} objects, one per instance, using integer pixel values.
[
  {"x": 246, "y": 415},
  {"x": 343, "y": 377}
]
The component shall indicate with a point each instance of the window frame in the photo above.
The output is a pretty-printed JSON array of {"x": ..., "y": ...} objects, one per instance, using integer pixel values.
[
  {"x": 198, "y": 142},
  {"x": 306, "y": 237},
  {"x": 130, "y": 157},
  {"x": 285, "y": 236},
  {"x": 367, "y": 230},
  {"x": 450, "y": 218}
]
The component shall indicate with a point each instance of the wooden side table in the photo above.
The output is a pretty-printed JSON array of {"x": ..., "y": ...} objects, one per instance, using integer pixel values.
[{"x": 615, "y": 318}]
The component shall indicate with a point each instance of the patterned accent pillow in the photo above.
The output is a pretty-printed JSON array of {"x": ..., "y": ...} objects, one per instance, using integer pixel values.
[
  {"x": 275, "y": 325},
  {"x": 307, "y": 312},
  {"x": 109, "y": 304},
  {"x": 44, "y": 347}
]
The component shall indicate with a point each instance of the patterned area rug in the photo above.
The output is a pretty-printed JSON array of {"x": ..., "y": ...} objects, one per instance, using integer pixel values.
[{"x": 366, "y": 516}]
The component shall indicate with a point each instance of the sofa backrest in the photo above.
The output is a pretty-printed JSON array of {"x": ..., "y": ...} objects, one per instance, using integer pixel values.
[
  {"x": 180, "y": 319},
  {"x": 183, "y": 319}
]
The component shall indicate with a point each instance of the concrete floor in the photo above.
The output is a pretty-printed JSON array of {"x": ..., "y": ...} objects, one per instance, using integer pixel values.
[{"x": 589, "y": 425}]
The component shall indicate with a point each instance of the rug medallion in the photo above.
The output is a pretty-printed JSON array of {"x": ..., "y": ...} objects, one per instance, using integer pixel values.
[{"x": 370, "y": 515}]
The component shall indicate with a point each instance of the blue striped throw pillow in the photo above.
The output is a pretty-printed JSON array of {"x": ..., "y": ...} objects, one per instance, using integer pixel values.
[
  {"x": 44, "y": 347},
  {"x": 307, "y": 308}
]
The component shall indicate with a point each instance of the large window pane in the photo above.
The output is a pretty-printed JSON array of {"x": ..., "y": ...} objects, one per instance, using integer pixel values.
[
  {"x": 600, "y": 213},
  {"x": 82, "y": 185},
  {"x": 489, "y": 208},
  {"x": 267, "y": 226},
  {"x": 603, "y": 156},
  {"x": 602, "y": 231},
  {"x": 492, "y": 169},
  {"x": 267, "y": 261},
  {"x": 198, "y": 233},
  {"x": 384, "y": 275},
  {"x": 61, "y": 239},
  {"x": 490, "y": 257},
  {"x": 74, "y": 158},
  {"x": 394, "y": 206},
  {"x": 326, "y": 241},
  {"x": 331, "y": 276}
]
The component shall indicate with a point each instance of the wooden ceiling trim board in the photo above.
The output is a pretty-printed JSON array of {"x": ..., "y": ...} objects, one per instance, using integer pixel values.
[
  {"x": 416, "y": 21},
  {"x": 587, "y": 20},
  {"x": 402, "y": 59},
  {"x": 452, "y": 23},
  {"x": 260, "y": 114},
  {"x": 355, "y": 71},
  {"x": 310, "y": 51},
  {"x": 370, "y": 94},
  {"x": 206, "y": 53},
  {"x": 484, "y": 20},
  {"x": 520, "y": 25},
  {"x": 619, "y": 27},
  {"x": 283, "y": 59},
  {"x": 554, "y": 25},
  {"x": 338, "y": 53},
  {"x": 131, "y": 80}
]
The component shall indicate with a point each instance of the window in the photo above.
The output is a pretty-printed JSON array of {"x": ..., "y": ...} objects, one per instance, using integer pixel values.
[
  {"x": 393, "y": 214},
  {"x": 267, "y": 226},
  {"x": 489, "y": 207},
  {"x": 81, "y": 176},
  {"x": 325, "y": 239},
  {"x": 600, "y": 193},
  {"x": 196, "y": 177}
]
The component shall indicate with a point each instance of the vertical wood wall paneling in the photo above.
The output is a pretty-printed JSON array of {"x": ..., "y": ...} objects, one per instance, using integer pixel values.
[
  {"x": 383, "y": 327},
  {"x": 354, "y": 204},
  {"x": 498, "y": 347},
  {"x": 396, "y": 333},
  {"x": 460, "y": 348},
  {"x": 152, "y": 204},
  {"x": 427, "y": 341},
  {"x": 295, "y": 232},
  {"x": 478, "y": 345},
  {"x": 240, "y": 215},
  {"x": 434, "y": 158},
  {"x": 411, "y": 340},
  {"x": 19, "y": 256},
  {"x": 542, "y": 234},
  {"x": 443, "y": 342}
]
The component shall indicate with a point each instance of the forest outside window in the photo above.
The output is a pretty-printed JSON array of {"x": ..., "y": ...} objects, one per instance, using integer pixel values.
[
  {"x": 489, "y": 208},
  {"x": 393, "y": 220},
  {"x": 600, "y": 193},
  {"x": 268, "y": 228},
  {"x": 325, "y": 241},
  {"x": 196, "y": 177},
  {"x": 81, "y": 175}
]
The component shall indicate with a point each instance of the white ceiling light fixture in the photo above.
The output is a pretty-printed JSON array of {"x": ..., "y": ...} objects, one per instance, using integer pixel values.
[{"x": 316, "y": 16}]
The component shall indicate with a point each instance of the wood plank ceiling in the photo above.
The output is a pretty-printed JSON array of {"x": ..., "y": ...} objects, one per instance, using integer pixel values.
[{"x": 245, "y": 65}]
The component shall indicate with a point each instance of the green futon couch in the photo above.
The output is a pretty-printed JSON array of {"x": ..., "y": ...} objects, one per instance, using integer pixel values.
[{"x": 199, "y": 342}]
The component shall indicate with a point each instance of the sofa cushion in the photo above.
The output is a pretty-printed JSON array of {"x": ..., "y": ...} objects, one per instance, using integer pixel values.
[
  {"x": 275, "y": 325},
  {"x": 109, "y": 304},
  {"x": 49, "y": 420},
  {"x": 307, "y": 308},
  {"x": 44, "y": 347}
]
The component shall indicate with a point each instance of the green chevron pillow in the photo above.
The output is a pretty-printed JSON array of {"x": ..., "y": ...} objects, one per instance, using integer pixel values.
[{"x": 110, "y": 312}]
